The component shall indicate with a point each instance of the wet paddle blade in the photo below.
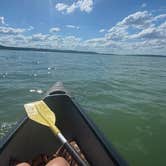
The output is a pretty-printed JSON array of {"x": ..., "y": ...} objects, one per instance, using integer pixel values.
[{"x": 39, "y": 112}]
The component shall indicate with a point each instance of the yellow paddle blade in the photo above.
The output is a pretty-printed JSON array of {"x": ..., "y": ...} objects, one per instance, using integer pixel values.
[{"x": 39, "y": 112}]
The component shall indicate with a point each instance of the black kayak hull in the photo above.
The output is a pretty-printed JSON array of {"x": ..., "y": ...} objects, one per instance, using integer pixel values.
[{"x": 29, "y": 139}]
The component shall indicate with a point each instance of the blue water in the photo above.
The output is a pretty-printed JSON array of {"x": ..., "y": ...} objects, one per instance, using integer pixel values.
[{"x": 125, "y": 95}]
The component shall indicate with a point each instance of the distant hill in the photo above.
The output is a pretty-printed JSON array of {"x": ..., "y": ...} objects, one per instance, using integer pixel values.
[
  {"x": 2, "y": 47},
  {"x": 44, "y": 50}
]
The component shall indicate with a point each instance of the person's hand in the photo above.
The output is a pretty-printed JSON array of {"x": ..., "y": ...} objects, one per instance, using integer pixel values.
[{"x": 59, "y": 161}]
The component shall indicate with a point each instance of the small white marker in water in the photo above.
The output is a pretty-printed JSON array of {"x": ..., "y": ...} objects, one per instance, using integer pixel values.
[
  {"x": 39, "y": 91},
  {"x": 35, "y": 75},
  {"x": 32, "y": 90}
]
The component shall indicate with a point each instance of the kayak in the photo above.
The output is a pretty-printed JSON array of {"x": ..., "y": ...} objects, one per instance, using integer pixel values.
[{"x": 28, "y": 139}]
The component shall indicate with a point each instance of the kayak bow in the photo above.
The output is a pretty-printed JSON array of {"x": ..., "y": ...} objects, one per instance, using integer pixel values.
[{"x": 28, "y": 138}]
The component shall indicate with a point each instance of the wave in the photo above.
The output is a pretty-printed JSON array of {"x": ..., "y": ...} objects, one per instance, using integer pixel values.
[
  {"x": 39, "y": 91},
  {"x": 5, "y": 127}
]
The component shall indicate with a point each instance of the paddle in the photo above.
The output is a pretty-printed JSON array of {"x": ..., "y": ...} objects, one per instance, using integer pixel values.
[{"x": 39, "y": 112}]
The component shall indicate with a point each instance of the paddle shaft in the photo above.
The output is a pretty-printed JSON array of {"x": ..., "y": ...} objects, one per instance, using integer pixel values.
[
  {"x": 75, "y": 154},
  {"x": 69, "y": 148}
]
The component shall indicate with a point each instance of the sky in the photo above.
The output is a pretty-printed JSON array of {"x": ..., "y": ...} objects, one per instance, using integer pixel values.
[{"x": 108, "y": 26}]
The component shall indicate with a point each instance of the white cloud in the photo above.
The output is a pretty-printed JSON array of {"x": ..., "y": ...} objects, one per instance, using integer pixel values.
[
  {"x": 38, "y": 37},
  {"x": 96, "y": 41},
  {"x": 143, "y": 5},
  {"x": 140, "y": 32},
  {"x": 54, "y": 29},
  {"x": 131, "y": 25},
  {"x": 140, "y": 20},
  {"x": 72, "y": 26},
  {"x": 82, "y": 5},
  {"x": 71, "y": 8},
  {"x": 11, "y": 31},
  {"x": 30, "y": 28},
  {"x": 85, "y": 5},
  {"x": 152, "y": 33},
  {"x": 2, "y": 20},
  {"x": 142, "y": 24},
  {"x": 161, "y": 16},
  {"x": 148, "y": 33},
  {"x": 163, "y": 26},
  {"x": 71, "y": 42},
  {"x": 117, "y": 33},
  {"x": 102, "y": 30},
  {"x": 61, "y": 6}
]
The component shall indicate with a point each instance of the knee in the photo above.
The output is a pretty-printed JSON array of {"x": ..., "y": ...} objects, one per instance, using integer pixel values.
[{"x": 59, "y": 161}]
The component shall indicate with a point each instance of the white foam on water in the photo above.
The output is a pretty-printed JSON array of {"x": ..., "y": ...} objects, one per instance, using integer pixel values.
[
  {"x": 35, "y": 75},
  {"x": 51, "y": 68},
  {"x": 5, "y": 127},
  {"x": 39, "y": 91},
  {"x": 98, "y": 112},
  {"x": 32, "y": 90},
  {"x": 4, "y": 75}
]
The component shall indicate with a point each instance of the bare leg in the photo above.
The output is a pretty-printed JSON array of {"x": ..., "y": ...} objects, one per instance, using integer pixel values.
[{"x": 59, "y": 161}]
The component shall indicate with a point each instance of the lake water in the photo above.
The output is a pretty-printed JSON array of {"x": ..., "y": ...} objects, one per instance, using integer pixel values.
[{"x": 125, "y": 95}]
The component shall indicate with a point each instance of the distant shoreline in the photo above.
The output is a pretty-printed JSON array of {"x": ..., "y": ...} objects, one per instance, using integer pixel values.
[
  {"x": 44, "y": 50},
  {"x": 2, "y": 47}
]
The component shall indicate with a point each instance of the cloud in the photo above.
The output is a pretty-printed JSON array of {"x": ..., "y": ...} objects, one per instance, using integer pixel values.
[
  {"x": 2, "y": 20},
  {"x": 39, "y": 37},
  {"x": 142, "y": 24},
  {"x": 149, "y": 33},
  {"x": 82, "y": 5},
  {"x": 40, "y": 40},
  {"x": 132, "y": 24},
  {"x": 71, "y": 42},
  {"x": 30, "y": 28},
  {"x": 61, "y": 6},
  {"x": 96, "y": 41},
  {"x": 152, "y": 33},
  {"x": 140, "y": 32},
  {"x": 72, "y": 26},
  {"x": 54, "y": 29},
  {"x": 71, "y": 8},
  {"x": 85, "y": 5},
  {"x": 118, "y": 32},
  {"x": 140, "y": 20},
  {"x": 102, "y": 30},
  {"x": 11, "y": 31},
  {"x": 143, "y": 5},
  {"x": 161, "y": 16}
]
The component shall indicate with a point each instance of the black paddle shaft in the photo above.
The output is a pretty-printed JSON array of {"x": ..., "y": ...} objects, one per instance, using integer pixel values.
[{"x": 75, "y": 155}]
